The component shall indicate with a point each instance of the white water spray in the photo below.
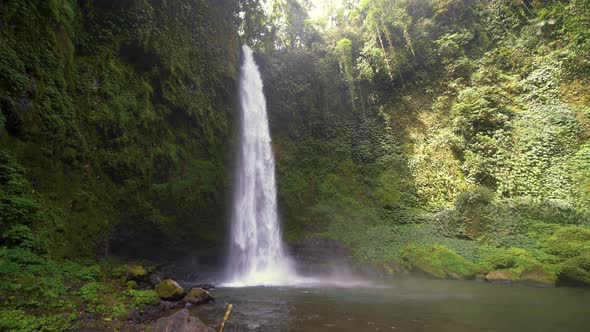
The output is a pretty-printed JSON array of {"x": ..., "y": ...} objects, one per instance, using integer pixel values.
[{"x": 257, "y": 255}]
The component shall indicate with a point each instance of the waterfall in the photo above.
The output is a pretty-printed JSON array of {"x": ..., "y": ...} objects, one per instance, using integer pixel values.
[{"x": 257, "y": 255}]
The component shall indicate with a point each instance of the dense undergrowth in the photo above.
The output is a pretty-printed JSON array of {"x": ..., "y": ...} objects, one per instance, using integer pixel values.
[{"x": 45, "y": 294}]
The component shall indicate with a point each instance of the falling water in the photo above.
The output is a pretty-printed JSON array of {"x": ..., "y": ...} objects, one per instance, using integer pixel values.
[{"x": 257, "y": 255}]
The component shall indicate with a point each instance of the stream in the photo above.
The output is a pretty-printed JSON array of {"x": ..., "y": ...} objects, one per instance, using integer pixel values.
[{"x": 408, "y": 305}]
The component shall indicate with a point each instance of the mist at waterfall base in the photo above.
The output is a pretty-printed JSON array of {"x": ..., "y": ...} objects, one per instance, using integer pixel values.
[{"x": 257, "y": 255}]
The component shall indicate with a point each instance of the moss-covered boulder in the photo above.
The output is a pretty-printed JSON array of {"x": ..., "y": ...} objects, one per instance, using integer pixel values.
[
  {"x": 575, "y": 271},
  {"x": 539, "y": 276},
  {"x": 135, "y": 272},
  {"x": 516, "y": 259},
  {"x": 502, "y": 276},
  {"x": 437, "y": 261},
  {"x": 197, "y": 295},
  {"x": 170, "y": 290}
]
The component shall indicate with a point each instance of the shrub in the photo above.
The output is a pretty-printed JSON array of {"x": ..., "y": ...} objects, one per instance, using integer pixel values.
[
  {"x": 141, "y": 298},
  {"x": 20, "y": 321},
  {"x": 79, "y": 271},
  {"x": 472, "y": 217},
  {"x": 569, "y": 241},
  {"x": 469, "y": 201}
]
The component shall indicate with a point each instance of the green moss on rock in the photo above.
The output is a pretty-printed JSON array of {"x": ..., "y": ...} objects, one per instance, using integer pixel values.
[
  {"x": 538, "y": 275},
  {"x": 169, "y": 290},
  {"x": 437, "y": 261},
  {"x": 515, "y": 259},
  {"x": 197, "y": 295},
  {"x": 136, "y": 272}
]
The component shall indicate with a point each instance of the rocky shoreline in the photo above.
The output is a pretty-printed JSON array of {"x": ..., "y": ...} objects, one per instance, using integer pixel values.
[{"x": 169, "y": 313}]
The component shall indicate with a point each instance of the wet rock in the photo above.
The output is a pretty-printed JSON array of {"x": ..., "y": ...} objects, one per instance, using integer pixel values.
[
  {"x": 502, "y": 276},
  {"x": 170, "y": 290},
  {"x": 140, "y": 316},
  {"x": 198, "y": 296},
  {"x": 207, "y": 287},
  {"x": 155, "y": 277},
  {"x": 181, "y": 321},
  {"x": 168, "y": 305}
]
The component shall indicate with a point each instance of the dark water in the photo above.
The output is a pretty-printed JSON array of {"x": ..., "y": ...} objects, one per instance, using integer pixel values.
[{"x": 411, "y": 305}]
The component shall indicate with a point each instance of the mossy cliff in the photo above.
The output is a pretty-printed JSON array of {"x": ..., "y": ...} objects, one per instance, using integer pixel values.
[
  {"x": 403, "y": 126},
  {"x": 116, "y": 120}
]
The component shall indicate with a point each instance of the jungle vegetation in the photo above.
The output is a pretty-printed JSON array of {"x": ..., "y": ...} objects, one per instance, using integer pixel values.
[{"x": 446, "y": 136}]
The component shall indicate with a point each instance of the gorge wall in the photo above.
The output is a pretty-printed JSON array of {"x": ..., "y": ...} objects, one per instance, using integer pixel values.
[{"x": 116, "y": 123}]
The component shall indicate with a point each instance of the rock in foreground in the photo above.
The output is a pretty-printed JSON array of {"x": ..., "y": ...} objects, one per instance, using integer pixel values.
[{"x": 181, "y": 321}]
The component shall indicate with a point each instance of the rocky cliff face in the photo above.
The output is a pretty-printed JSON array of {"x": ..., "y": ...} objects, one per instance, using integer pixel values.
[{"x": 116, "y": 121}]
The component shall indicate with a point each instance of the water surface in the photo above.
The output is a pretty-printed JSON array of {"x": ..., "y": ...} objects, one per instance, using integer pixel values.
[{"x": 409, "y": 305}]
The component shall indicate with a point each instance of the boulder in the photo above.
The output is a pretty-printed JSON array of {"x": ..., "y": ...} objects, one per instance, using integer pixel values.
[
  {"x": 502, "y": 276},
  {"x": 181, "y": 321},
  {"x": 198, "y": 295},
  {"x": 436, "y": 261},
  {"x": 135, "y": 272},
  {"x": 169, "y": 290},
  {"x": 538, "y": 276},
  {"x": 150, "y": 313},
  {"x": 155, "y": 277}
]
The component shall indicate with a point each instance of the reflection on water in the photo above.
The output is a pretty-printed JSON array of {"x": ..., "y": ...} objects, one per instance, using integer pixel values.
[{"x": 410, "y": 305}]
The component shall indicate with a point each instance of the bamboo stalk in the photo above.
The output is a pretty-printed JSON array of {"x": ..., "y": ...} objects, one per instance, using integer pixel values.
[{"x": 227, "y": 312}]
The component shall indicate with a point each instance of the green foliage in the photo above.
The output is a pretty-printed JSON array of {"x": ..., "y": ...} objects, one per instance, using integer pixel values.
[
  {"x": 20, "y": 321},
  {"x": 576, "y": 270},
  {"x": 538, "y": 154},
  {"x": 473, "y": 216},
  {"x": 473, "y": 200},
  {"x": 25, "y": 271},
  {"x": 89, "y": 293},
  {"x": 140, "y": 298},
  {"x": 569, "y": 241},
  {"x": 102, "y": 299},
  {"x": 385, "y": 242},
  {"x": 80, "y": 272}
]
